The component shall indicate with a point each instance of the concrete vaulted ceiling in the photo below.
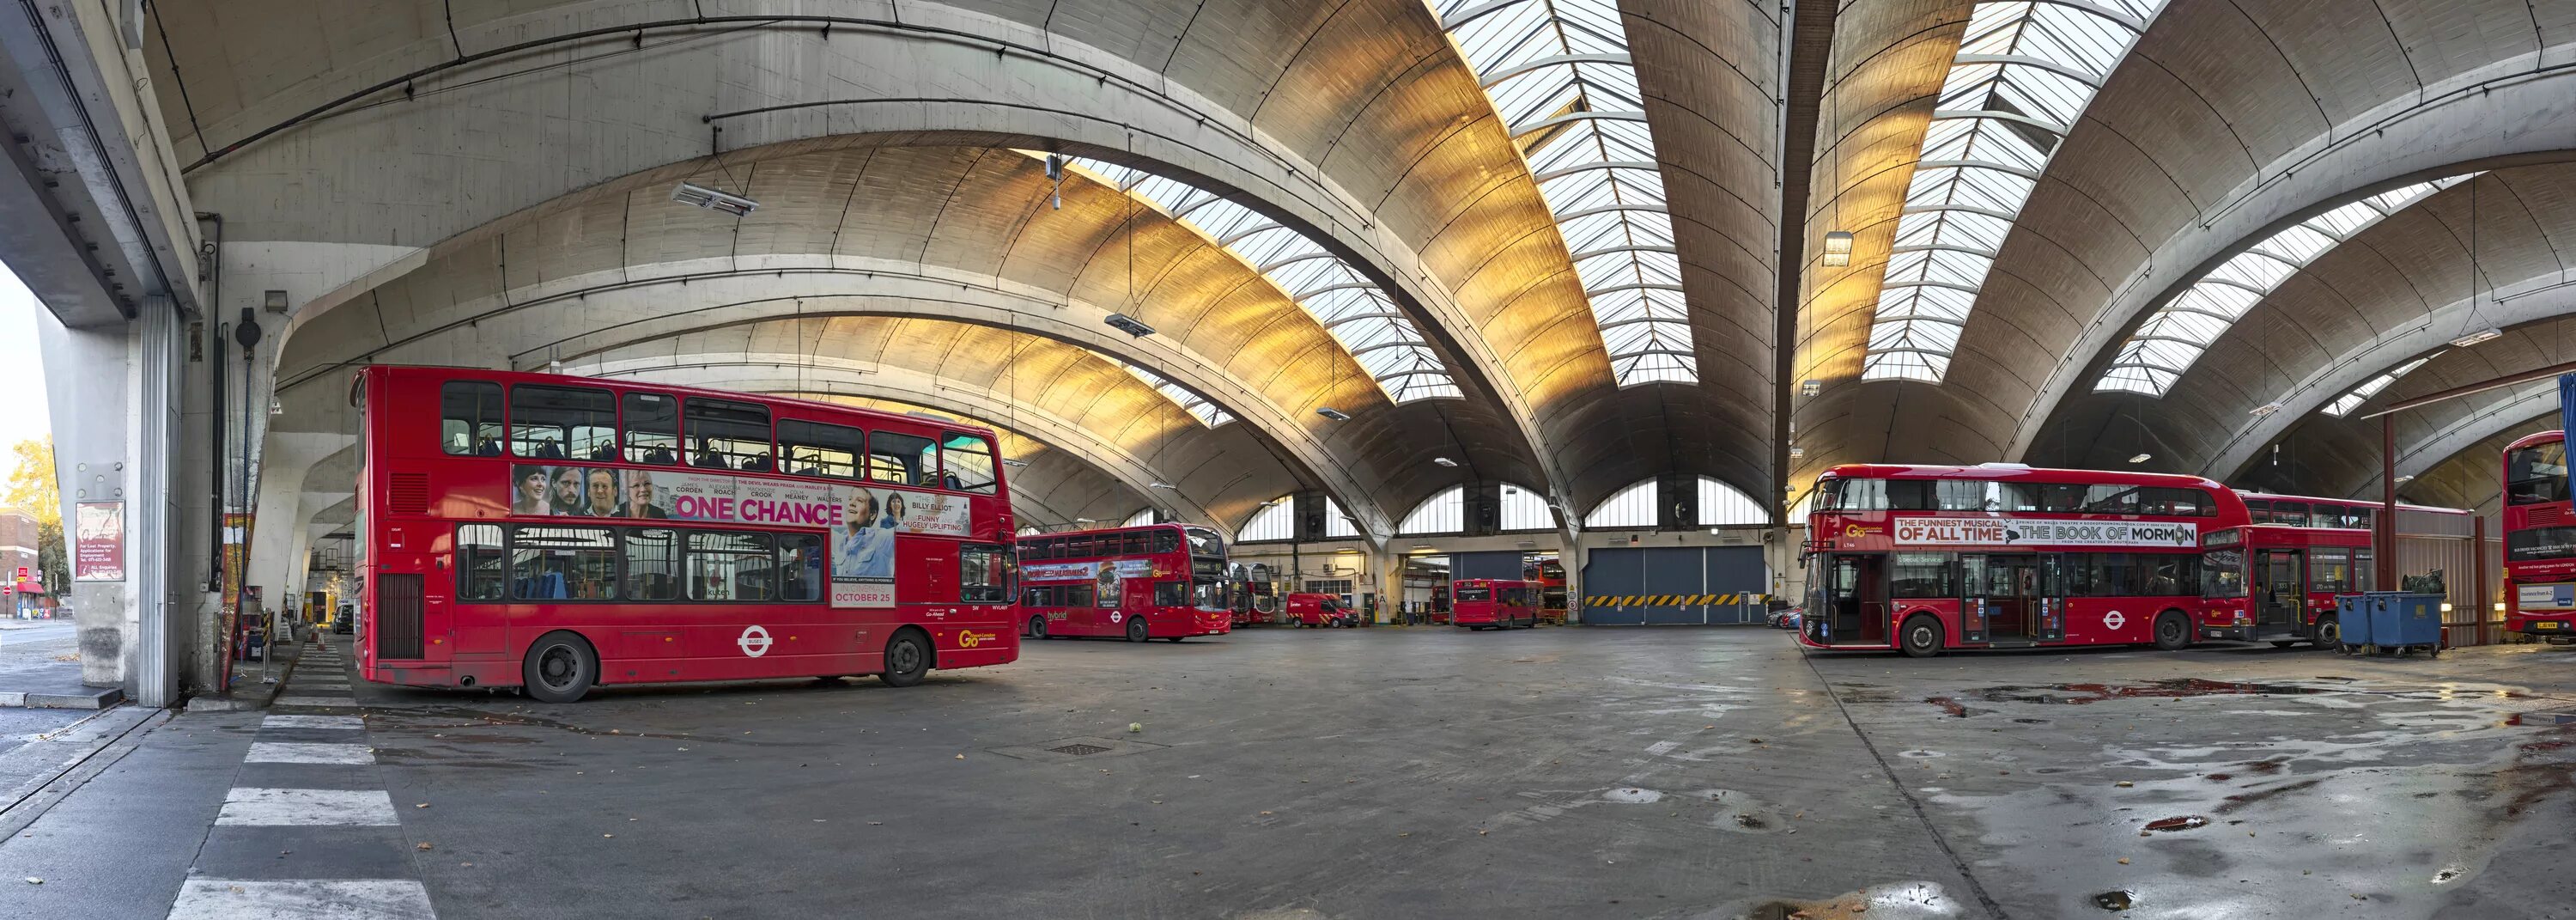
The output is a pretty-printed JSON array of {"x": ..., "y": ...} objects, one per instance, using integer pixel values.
[
  {"x": 377, "y": 127},
  {"x": 2228, "y": 120}
]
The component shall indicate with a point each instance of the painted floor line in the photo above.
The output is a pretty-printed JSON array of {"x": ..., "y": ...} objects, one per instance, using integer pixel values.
[
  {"x": 291, "y": 721},
  {"x": 317, "y": 701},
  {"x": 346, "y": 899},
  {"x": 263, "y": 807},
  {"x": 303, "y": 752}
]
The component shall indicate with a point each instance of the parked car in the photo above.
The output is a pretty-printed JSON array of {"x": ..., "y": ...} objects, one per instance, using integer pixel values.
[{"x": 1786, "y": 618}]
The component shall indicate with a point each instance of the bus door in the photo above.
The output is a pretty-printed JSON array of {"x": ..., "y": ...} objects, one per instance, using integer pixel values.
[
  {"x": 1856, "y": 598},
  {"x": 2004, "y": 597},
  {"x": 2280, "y": 590},
  {"x": 1136, "y": 597}
]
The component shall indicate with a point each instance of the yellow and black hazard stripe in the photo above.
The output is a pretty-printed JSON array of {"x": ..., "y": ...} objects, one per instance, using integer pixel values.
[{"x": 1673, "y": 600}]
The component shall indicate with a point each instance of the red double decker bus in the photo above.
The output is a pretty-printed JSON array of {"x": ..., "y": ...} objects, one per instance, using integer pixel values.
[
  {"x": 554, "y": 533},
  {"x": 2275, "y": 578},
  {"x": 1157, "y": 581},
  {"x": 1490, "y": 603},
  {"x": 2539, "y": 539},
  {"x": 1549, "y": 576},
  {"x": 1930, "y": 558}
]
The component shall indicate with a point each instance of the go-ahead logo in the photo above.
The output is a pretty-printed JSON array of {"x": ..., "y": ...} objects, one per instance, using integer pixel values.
[{"x": 970, "y": 638}]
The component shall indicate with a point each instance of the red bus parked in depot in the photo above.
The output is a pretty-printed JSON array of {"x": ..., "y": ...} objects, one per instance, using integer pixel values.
[
  {"x": 1489, "y": 603},
  {"x": 1930, "y": 558},
  {"x": 554, "y": 533},
  {"x": 2275, "y": 579},
  {"x": 2539, "y": 539},
  {"x": 1156, "y": 581}
]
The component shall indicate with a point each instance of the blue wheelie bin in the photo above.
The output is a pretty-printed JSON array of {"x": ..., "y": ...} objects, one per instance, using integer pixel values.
[
  {"x": 2405, "y": 622},
  {"x": 2352, "y": 620}
]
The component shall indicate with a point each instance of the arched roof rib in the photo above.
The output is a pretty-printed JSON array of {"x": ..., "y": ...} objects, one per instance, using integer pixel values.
[
  {"x": 2365, "y": 322},
  {"x": 2022, "y": 77},
  {"x": 1560, "y": 76},
  {"x": 2329, "y": 455}
]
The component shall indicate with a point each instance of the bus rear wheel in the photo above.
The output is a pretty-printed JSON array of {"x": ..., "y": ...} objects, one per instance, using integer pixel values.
[
  {"x": 1921, "y": 636},
  {"x": 560, "y": 668},
  {"x": 1136, "y": 629},
  {"x": 907, "y": 660},
  {"x": 2173, "y": 630},
  {"x": 1037, "y": 627}
]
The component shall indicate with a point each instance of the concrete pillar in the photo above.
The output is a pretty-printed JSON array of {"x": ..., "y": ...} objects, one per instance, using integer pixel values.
[{"x": 113, "y": 394}]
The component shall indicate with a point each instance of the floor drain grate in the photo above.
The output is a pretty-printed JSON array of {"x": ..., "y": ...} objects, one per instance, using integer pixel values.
[{"x": 1080, "y": 750}]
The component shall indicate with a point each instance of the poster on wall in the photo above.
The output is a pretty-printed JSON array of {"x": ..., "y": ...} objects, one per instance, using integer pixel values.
[
  {"x": 98, "y": 541},
  {"x": 863, "y": 520}
]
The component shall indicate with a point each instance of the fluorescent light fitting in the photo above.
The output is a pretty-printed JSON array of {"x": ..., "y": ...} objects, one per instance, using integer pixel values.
[
  {"x": 1811, "y": 387},
  {"x": 1160, "y": 485},
  {"x": 2265, "y": 409},
  {"x": 2404, "y": 479},
  {"x": 1444, "y": 461},
  {"x": 1838, "y": 248},
  {"x": 1797, "y": 451},
  {"x": 1006, "y": 461},
  {"x": 690, "y": 193},
  {"x": 1084, "y": 521},
  {"x": 2141, "y": 458},
  {"x": 1334, "y": 414},
  {"x": 2476, "y": 337},
  {"x": 1128, "y": 324}
]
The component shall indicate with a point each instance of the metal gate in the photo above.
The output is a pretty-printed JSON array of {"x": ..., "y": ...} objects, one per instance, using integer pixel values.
[{"x": 1667, "y": 585}]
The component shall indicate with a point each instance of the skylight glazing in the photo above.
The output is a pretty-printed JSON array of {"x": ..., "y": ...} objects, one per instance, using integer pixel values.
[
  {"x": 2343, "y": 405},
  {"x": 1207, "y": 412},
  {"x": 2175, "y": 335},
  {"x": 1355, "y": 310},
  {"x": 2023, "y": 74},
  {"x": 1558, "y": 73}
]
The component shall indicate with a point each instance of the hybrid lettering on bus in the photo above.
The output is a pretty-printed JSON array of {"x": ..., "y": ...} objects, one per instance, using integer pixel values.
[
  {"x": 1157, "y": 581},
  {"x": 2539, "y": 539},
  {"x": 554, "y": 533},
  {"x": 1930, "y": 558}
]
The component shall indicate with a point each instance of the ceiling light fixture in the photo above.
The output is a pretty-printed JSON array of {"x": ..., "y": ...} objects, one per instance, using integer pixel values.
[
  {"x": 1084, "y": 521},
  {"x": 1811, "y": 387},
  {"x": 690, "y": 193},
  {"x": 1334, "y": 414},
  {"x": 1797, "y": 451},
  {"x": 2404, "y": 479},
  {"x": 1838, "y": 246},
  {"x": 1006, "y": 461},
  {"x": 2476, "y": 337},
  {"x": 2142, "y": 458},
  {"x": 1444, "y": 461},
  {"x": 2265, "y": 409},
  {"x": 1128, "y": 324},
  {"x": 1160, "y": 485}
]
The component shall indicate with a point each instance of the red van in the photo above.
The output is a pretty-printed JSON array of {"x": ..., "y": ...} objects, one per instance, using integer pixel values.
[
  {"x": 1320, "y": 610},
  {"x": 1488, "y": 603}
]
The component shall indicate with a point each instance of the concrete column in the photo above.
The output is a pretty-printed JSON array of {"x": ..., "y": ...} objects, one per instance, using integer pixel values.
[{"x": 112, "y": 391}]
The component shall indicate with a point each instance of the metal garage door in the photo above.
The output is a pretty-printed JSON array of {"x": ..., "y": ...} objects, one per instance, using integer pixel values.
[
  {"x": 1675, "y": 585},
  {"x": 1503, "y": 565}
]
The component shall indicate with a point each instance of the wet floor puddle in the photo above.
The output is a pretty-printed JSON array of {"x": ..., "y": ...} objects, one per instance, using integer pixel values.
[
  {"x": 1899, "y": 901},
  {"x": 2085, "y": 693}
]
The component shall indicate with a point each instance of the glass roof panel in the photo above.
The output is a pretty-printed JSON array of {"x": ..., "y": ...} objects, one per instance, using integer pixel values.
[
  {"x": 2343, "y": 405},
  {"x": 1995, "y": 126},
  {"x": 2209, "y": 307},
  {"x": 1328, "y": 288},
  {"x": 1207, "y": 412},
  {"x": 1611, "y": 219}
]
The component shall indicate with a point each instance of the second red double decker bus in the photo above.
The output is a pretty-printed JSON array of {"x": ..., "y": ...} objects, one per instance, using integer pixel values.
[
  {"x": 2539, "y": 539},
  {"x": 552, "y": 533},
  {"x": 1157, "y": 581},
  {"x": 1929, "y": 558}
]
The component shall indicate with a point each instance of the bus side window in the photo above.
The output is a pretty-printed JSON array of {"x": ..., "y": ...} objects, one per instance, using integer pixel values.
[
  {"x": 800, "y": 567},
  {"x": 478, "y": 563},
  {"x": 652, "y": 565},
  {"x": 652, "y": 428},
  {"x": 562, "y": 423},
  {"x": 966, "y": 463},
  {"x": 896, "y": 457},
  {"x": 1171, "y": 594},
  {"x": 469, "y": 418},
  {"x": 728, "y": 435},
  {"x": 980, "y": 575},
  {"x": 817, "y": 449}
]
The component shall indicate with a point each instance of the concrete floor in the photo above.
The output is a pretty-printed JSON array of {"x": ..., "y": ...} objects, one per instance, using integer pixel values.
[{"x": 1439, "y": 773}]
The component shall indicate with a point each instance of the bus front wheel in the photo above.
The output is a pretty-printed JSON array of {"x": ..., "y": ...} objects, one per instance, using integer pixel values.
[
  {"x": 2328, "y": 634},
  {"x": 1037, "y": 627},
  {"x": 560, "y": 668},
  {"x": 1136, "y": 629},
  {"x": 2173, "y": 630},
  {"x": 907, "y": 660},
  {"x": 1922, "y": 636}
]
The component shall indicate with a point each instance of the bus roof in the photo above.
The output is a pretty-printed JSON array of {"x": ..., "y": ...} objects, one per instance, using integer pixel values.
[
  {"x": 498, "y": 376},
  {"x": 2537, "y": 437},
  {"x": 2015, "y": 472},
  {"x": 2251, "y": 495}
]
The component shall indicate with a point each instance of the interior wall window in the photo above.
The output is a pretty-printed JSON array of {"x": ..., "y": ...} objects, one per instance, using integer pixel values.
[
  {"x": 896, "y": 457},
  {"x": 1445, "y": 512},
  {"x": 817, "y": 449},
  {"x": 563, "y": 563},
  {"x": 1524, "y": 510},
  {"x": 652, "y": 565},
  {"x": 563, "y": 423},
  {"x": 479, "y": 572},
  {"x": 729, "y": 566},
  {"x": 800, "y": 567},
  {"x": 966, "y": 463},
  {"x": 652, "y": 428},
  {"x": 727, "y": 435},
  {"x": 469, "y": 418},
  {"x": 983, "y": 574}
]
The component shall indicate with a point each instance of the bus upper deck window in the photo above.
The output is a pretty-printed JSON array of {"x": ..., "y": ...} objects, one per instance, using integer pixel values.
[
  {"x": 896, "y": 457},
  {"x": 469, "y": 423},
  {"x": 652, "y": 428},
  {"x": 817, "y": 449},
  {"x": 966, "y": 463},
  {"x": 728, "y": 435},
  {"x": 562, "y": 423}
]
